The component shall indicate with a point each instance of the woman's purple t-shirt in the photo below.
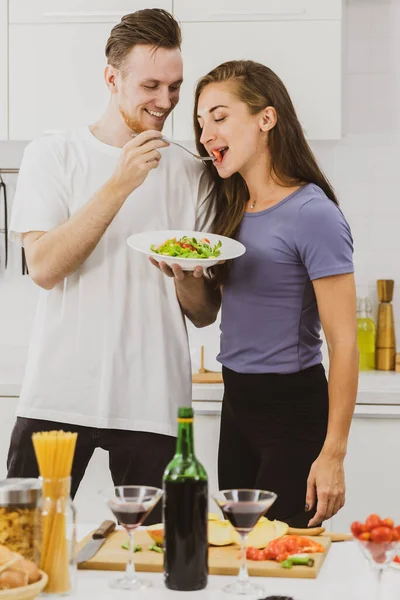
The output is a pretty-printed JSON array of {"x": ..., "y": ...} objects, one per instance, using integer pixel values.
[{"x": 270, "y": 321}]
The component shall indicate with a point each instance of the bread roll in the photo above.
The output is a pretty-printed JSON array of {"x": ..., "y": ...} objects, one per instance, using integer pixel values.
[
  {"x": 28, "y": 567},
  {"x": 12, "y": 579}
]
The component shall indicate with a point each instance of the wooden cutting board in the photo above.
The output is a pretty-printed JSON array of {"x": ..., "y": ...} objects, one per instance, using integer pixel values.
[
  {"x": 221, "y": 560},
  {"x": 207, "y": 377}
]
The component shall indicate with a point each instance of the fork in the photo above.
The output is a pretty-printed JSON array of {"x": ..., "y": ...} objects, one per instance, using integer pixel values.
[{"x": 183, "y": 147}]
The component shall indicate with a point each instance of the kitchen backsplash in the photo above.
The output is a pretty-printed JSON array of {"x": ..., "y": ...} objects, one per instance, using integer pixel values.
[{"x": 363, "y": 167}]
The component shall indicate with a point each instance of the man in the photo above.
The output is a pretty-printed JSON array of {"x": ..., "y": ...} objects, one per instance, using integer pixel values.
[{"x": 109, "y": 351}]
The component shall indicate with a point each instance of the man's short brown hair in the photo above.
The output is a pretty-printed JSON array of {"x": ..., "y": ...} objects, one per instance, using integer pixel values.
[{"x": 150, "y": 26}]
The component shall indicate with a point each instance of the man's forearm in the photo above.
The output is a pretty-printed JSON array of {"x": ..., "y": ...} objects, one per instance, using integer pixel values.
[
  {"x": 61, "y": 251},
  {"x": 199, "y": 299},
  {"x": 343, "y": 381}
]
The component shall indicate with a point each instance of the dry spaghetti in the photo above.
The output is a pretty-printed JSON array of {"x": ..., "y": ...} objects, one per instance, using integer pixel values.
[{"x": 55, "y": 453}]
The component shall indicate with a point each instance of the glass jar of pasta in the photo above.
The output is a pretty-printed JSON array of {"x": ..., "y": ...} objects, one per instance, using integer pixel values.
[
  {"x": 20, "y": 516},
  {"x": 58, "y": 558}
]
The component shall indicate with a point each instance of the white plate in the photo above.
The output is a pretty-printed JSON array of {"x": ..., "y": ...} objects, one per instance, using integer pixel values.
[{"x": 142, "y": 241}]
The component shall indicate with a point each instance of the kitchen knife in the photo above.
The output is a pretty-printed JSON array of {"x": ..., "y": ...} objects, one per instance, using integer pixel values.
[{"x": 95, "y": 542}]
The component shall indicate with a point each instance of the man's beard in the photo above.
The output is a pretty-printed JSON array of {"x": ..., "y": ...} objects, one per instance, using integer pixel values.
[{"x": 134, "y": 124}]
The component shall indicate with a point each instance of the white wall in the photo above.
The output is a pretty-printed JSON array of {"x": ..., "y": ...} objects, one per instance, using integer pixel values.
[{"x": 363, "y": 168}]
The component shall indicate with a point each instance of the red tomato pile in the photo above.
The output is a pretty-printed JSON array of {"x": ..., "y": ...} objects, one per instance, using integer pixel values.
[
  {"x": 376, "y": 530},
  {"x": 281, "y": 548},
  {"x": 379, "y": 535}
]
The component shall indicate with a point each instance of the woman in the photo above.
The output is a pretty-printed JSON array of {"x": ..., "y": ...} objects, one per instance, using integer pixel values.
[{"x": 283, "y": 426}]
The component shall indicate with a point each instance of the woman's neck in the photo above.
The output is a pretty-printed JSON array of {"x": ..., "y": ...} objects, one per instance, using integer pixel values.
[{"x": 265, "y": 188}]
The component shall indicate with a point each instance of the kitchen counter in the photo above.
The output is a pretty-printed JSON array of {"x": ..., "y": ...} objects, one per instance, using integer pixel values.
[
  {"x": 375, "y": 387},
  {"x": 344, "y": 574}
]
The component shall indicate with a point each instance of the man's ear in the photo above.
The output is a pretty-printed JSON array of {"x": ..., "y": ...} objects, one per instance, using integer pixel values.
[
  {"x": 268, "y": 118},
  {"x": 111, "y": 78}
]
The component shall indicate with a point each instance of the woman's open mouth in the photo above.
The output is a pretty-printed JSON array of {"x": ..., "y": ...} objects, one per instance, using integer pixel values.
[{"x": 219, "y": 154}]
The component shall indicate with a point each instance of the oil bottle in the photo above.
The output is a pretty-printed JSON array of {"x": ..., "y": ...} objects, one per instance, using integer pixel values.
[{"x": 366, "y": 335}]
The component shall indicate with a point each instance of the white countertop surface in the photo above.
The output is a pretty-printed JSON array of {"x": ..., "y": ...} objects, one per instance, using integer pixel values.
[{"x": 344, "y": 575}]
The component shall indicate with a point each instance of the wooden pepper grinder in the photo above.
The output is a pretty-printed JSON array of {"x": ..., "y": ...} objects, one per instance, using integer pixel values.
[{"x": 385, "y": 338}]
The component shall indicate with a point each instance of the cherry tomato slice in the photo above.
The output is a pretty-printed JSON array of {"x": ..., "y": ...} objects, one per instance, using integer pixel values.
[{"x": 218, "y": 155}]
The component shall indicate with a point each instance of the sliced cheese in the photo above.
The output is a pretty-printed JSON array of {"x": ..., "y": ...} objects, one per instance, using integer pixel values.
[
  {"x": 263, "y": 533},
  {"x": 220, "y": 533}
]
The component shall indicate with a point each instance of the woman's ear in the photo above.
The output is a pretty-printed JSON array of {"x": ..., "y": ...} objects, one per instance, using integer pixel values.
[{"x": 268, "y": 118}]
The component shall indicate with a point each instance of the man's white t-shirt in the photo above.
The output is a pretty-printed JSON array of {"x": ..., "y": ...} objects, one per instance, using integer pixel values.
[{"x": 109, "y": 346}]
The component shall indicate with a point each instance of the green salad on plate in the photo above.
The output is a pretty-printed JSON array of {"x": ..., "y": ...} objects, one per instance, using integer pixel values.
[{"x": 188, "y": 247}]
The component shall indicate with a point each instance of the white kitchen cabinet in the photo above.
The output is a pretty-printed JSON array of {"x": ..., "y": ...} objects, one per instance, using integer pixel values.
[
  {"x": 206, "y": 440},
  {"x": 256, "y": 10},
  {"x": 77, "y": 11},
  {"x": 371, "y": 467},
  {"x": 56, "y": 63},
  {"x": 305, "y": 54},
  {"x": 3, "y": 70}
]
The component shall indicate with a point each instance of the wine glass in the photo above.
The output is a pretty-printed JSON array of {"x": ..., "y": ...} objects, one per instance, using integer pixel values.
[
  {"x": 243, "y": 508},
  {"x": 379, "y": 555},
  {"x": 131, "y": 504}
]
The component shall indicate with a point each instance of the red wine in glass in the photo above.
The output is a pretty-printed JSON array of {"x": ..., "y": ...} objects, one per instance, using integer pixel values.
[
  {"x": 244, "y": 515},
  {"x": 131, "y": 504},
  {"x": 129, "y": 514},
  {"x": 243, "y": 508}
]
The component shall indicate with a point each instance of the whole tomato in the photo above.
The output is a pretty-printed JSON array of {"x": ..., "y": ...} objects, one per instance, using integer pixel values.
[
  {"x": 388, "y": 523},
  {"x": 372, "y": 522},
  {"x": 395, "y": 535},
  {"x": 381, "y": 534},
  {"x": 357, "y": 528}
]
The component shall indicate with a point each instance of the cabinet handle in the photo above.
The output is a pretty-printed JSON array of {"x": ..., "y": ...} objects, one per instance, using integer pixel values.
[
  {"x": 82, "y": 14},
  {"x": 254, "y": 13}
]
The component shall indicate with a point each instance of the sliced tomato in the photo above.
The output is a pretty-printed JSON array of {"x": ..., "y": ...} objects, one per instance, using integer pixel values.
[
  {"x": 218, "y": 155},
  {"x": 254, "y": 554},
  {"x": 397, "y": 559},
  {"x": 292, "y": 545}
]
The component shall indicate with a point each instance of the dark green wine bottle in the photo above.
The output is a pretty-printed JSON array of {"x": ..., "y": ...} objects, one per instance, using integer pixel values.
[{"x": 185, "y": 512}]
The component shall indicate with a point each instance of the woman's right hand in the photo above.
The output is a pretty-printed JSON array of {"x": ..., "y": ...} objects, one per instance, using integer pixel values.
[{"x": 139, "y": 156}]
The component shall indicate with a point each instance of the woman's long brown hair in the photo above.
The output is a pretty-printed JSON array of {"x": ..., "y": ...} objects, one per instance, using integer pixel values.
[{"x": 292, "y": 161}]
